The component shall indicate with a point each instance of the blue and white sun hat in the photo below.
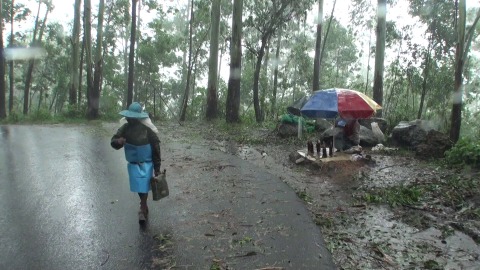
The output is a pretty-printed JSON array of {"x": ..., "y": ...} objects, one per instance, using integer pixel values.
[{"x": 135, "y": 110}]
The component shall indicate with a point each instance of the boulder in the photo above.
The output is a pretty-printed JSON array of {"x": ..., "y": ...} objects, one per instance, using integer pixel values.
[
  {"x": 321, "y": 125},
  {"x": 435, "y": 145},
  {"x": 285, "y": 130},
  {"x": 367, "y": 138},
  {"x": 411, "y": 134},
  {"x": 382, "y": 123}
]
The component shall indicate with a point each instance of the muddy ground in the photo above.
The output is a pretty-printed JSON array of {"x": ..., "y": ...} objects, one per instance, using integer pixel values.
[{"x": 392, "y": 212}]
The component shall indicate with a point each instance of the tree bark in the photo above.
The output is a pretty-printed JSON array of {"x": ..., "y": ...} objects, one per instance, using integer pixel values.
[
  {"x": 80, "y": 73},
  {"x": 326, "y": 37},
  {"x": 426, "y": 74},
  {"x": 380, "y": 53},
  {"x": 256, "y": 78},
  {"x": 3, "y": 109},
  {"x": 28, "y": 76},
  {"x": 97, "y": 76},
  {"x": 318, "y": 42},
  {"x": 275, "y": 76},
  {"x": 234, "y": 80},
  {"x": 136, "y": 83},
  {"x": 75, "y": 54},
  {"x": 212, "y": 97},
  {"x": 462, "y": 49},
  {"x": 131, "y": 57},
  {"x": 183, "y": 111},
  {"x": 265, "y": 82},
  {"x": 456, "y": 117},
  {"x": 88, "y": 54},
  {"x": 11, "y": 75}
]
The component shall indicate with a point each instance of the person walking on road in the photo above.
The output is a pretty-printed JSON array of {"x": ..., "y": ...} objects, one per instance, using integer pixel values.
[{"x": 140, "y": 141}]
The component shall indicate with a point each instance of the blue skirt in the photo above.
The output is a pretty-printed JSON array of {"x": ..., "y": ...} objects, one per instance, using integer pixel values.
[
  {"x": 140, "y": 167},
  {"x": 139, "y": 175}
]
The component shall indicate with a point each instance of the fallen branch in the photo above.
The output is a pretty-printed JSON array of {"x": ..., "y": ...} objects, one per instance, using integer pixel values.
[
  {"x": 386, "y": 167},
  {"x": 106, "y": 260}
]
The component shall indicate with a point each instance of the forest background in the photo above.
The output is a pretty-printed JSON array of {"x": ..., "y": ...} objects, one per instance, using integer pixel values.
[{"x": 418, "y": 58}]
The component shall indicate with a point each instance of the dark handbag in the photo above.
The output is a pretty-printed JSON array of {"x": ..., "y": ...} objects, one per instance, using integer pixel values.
[{"x": 159, "y": 186}]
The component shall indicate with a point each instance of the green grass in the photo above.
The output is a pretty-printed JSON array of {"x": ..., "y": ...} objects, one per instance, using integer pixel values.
[{"x": 395, "y": 196}]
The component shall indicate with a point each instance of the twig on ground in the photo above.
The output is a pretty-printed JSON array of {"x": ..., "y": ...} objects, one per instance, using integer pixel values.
[{"x": 106, "y": 260}]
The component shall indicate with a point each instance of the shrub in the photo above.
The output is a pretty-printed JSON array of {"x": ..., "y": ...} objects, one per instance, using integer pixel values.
[{"x": 465, "y": 152}]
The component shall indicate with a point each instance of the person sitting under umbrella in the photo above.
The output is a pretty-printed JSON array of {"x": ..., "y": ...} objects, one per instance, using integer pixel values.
[{"x": 351, "y": 133}]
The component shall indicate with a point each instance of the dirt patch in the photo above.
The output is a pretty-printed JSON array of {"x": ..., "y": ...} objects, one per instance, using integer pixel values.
[{"x": 393, "y": 212}]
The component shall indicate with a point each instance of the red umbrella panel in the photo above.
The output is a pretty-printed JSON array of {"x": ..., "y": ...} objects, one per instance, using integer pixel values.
[{"x": 337, "y": 102}]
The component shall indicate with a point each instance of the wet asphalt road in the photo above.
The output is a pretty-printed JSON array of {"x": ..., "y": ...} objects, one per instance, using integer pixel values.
[{"x": 65, "y": 204}]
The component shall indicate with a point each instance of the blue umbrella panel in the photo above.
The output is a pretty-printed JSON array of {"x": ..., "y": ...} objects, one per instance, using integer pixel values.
[{"x": 322, "y": 104}]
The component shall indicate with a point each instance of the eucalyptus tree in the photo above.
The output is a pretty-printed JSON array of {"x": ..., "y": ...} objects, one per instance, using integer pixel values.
[
  {"x": 74, "y": 77},
  {"x": 12, "y": 12},
  {"x": 438, "y": 52},
  {"x": 451, "y": 46},
  {"x": 3, "y": 109},
  {"x": 131, "y": 56},
  {"x": 273, "y": 109},
  {"x": 299, "y": 45},
  {"x": 39, "y": 28},
  {"x": 156, "y": 52},
  {"x": 318, "y": 43},
  {"x": 362, "y": 20},
  {"x": 52, "y": 84},
  {"x": 115, "y": 53},
  {"x": 340, "y": 55},
  {"x": 265, "y": 18},
  {"x": 12, "y": 41},
  {"x": 199, "y": 29},
  {"x": 183, "y": 109},
  {"x": 234, "y": 81},
  {"x": 87, "y": 11},
  {"x": 380, "y": 53},
  {"x": 464, "y": 39},
  {"x": 93, "y": 108},
  {"x": 212, "y": 98}
]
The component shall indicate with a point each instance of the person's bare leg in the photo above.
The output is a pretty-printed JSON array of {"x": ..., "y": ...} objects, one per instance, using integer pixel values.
[{"x": 143, "y": 213}]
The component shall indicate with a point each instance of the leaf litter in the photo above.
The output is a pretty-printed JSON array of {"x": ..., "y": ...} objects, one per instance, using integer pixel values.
[{"x": 395, "y": 213}]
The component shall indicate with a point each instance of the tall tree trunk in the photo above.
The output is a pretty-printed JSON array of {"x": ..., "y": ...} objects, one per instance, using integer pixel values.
[
  {"x": 125, "y": 66},
  {"x": 265, "y": 82},
  {"x": 28, "y": 76},
  {"x": 185, "y": 51},
  {"x": 136, "y": 83},
  {"x": 256, "y": 78},
  {"x": 380, "y": 53},
  {"x": 456, "y": 117},
  {"x": 275, "y": 75},
  {"x": 40, "y": 99},
  {"x": 183, "y": 111},
  {"x": 212, "y": 97},
  {"x": 463, "y": 46},
  {"x": 3, "y": 109},
  {"x": 367, "y": 83},
  {"x": 75, "y": 54},
  {"x": 11, "y": 75},
  {"x": 80, "y": 73},
  {"x": 88, "y": 54},
  {"x": 326, "y": 36},
  {"x": 97, "y": 76},
  {"x": 426, "y": 74},
  {"x": 318, "y": 42},
  {"x": 234, "y": 80},
  {"x": 131, "y": 56}
]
